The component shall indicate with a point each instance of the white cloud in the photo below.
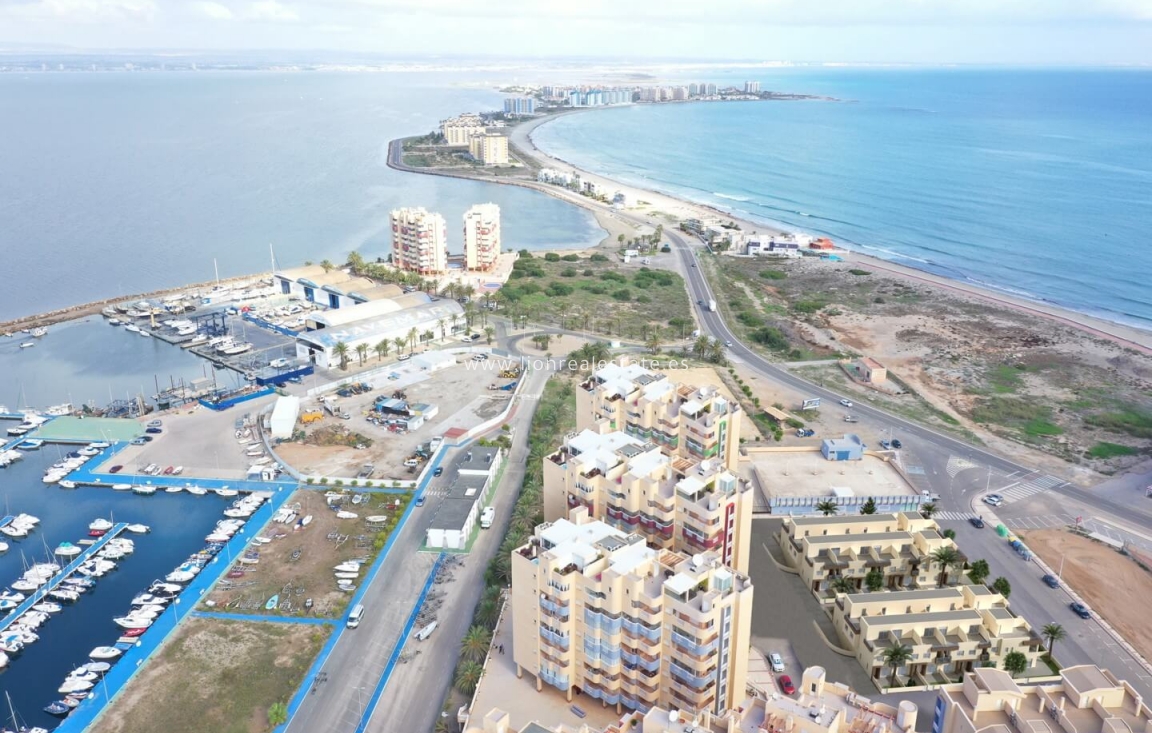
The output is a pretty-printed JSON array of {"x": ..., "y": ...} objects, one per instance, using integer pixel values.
[
  {"x": 270, "y": 10},
  {"x": 214, "y": 10}
]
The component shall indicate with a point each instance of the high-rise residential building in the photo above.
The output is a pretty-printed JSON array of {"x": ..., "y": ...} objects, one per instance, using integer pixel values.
[
  {"x": 1085, "y": 699},
  {"x": 481, "y": 237},
  {"x": 675, "y": 503},
  {"x": 751, "y": 87},
  {"x": 693, "y": 89},
  {"x": 459, "y": 130},
  {"x": 520, "y": 106},
  {"x": 597, "y": 609},
  {"x": 489, "y": 148},
  {"x": 711, "y": 90},
  {"x": 687, "y": 421},
  {"x": 419, "y": 241},
  {"x": 679, "y": 94}
]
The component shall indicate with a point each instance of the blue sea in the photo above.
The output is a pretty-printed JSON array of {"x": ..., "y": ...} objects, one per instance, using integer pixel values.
[
  {"x": 114, "y": 184},
  {"x": 1034, "y": 182}
]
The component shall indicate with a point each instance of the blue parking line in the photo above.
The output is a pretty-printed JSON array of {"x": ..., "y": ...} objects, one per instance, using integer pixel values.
[
  {"x": 266, "y": 618},
  {"x": 399, "y": 648}
]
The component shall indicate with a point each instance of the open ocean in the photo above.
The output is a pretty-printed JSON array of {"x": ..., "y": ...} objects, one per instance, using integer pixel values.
[
  {"x": 1035, "y": 183},
  {"x": 118, "y": 183}
]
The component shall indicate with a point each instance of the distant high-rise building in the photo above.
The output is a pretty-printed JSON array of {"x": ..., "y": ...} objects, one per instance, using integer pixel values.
[
  {"x": 711, "y": 90},
  {"x": 520, "y": 106},
  {"x": 574, "y": 99},
  {"x": 548, "y": 91},
  {"x": 419, "y": 241},
  {"x": 693, "y": 89},
  {"x": 751, "y": 87},
  {"x": 458, "y": 130},
  {"x": 481, "y": 236},
  {"x": 489, "y": 148},
  {"x": 680, "y": 93}
]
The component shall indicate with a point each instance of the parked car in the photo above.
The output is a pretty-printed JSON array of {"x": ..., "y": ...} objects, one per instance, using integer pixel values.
[
  {"x": 897, "y": 444},
  {"x": 1051, "y": 581},
  {"x": 776, "y": 662},
  {"x": 155, "y": 424},
  {"x": 116, "y": 469},
  {"x": 138, "y": 441},
  {"x": 153, "y": 431},
  {"x": 786, "y": 685},
  {"x": 994, "y": 500},
  {"x": 439, "y": 471},
  {"x": 850, "y": 418},
  {"x": 846, "y": 403},
  {"x": 805, "y": 432},
  {"x": 728, "y": 344},
  {"x": 886, "y": 444},
  {"x": 1080, "y": 609},
  {"x": 976, "y": 522},
  {"x": 420, "y": 500}
]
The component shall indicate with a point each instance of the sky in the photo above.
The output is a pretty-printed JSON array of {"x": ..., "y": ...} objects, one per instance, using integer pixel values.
[{"x": 1049, "y": 32}]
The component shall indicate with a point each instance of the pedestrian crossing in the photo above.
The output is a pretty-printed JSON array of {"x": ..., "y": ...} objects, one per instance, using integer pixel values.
[
  {"x": 954, "y": 516},
  {"x": 1031, "y": 487},
  {"x": 956, "y": 464}
]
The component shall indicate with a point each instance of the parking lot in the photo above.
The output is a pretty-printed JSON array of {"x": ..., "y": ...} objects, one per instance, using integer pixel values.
[{"x": 459, "y": 394}]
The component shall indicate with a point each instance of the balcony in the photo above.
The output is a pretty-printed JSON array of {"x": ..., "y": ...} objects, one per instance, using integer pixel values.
[
  {"x": 639, "y": 661},
  {"x": 556, "y": 610},
  {"x": 556, "y": 640},
  {"x": 560, "y": 682},
  {"x": 689, "y": 645}
]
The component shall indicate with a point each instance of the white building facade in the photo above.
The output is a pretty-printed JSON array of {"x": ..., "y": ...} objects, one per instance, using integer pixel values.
[{"x": 482, "y": 236}]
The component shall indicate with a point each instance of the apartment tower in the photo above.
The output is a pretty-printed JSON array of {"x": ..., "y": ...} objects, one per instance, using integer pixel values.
[
  {"x": 482, "y": 237},
  {"x": 419, "y": 241}
]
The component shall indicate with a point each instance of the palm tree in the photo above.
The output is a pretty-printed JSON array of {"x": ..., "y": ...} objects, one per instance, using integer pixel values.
[
  {"x": 841, "y": 584},
  {"x": 442, "y": 324},
  {"x": 489, "y": 332},
  {"x": 896, "y": 655},
  {"x": 468, "y": 675},
  {"x": 701, "y": 346},
  {"x": 327, "y": 265},
  {"x": 399, "y": 341},
  {"x": 412, "y": 339},
  {"x": 946, "y": 557},
  {"x": 362, "y": 351},
  {"x": 652, "y": 343},
  {"x": 1053, "y": 632},
  {"x": 476, "y": 643},
  {"x": 827, "y": 507},
  {"x": 488, "y": 612},
  {"x": 927, "y": 509},
  {"x": 382, "y": 349},
  {"x": 341, "y": 351}
]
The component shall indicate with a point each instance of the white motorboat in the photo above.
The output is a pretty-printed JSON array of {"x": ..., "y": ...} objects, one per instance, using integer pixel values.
[
  {"x": 26, "y": 585},
  {"x": 104, "y": 652},
  {"x": 159, "y": 587},
  {"x": 89, "y": 451},
  {"x": 121, "y": 487},
  {"x": 14, "y": 531},
  {"x": 97, "y": 667},
  {"x": 306, "y": 520},
  {"x": 376, "y": 519},
  {"x": 65, "y": 484},
  {"x": 101, "y": 524},
  {"x": 226, "y": 492},
  {"x": 217, "y": 537},
  {"x": 197, "y": 490},
  {"x": 48, "y": 607},
  {"x": 144, "y": 490},
  {"x": 346, "y": 515},
  {"x": 238, "y": 512},
  {"x": 138, "y": 528},
  {"x": 63, "y": 594},
  {"x": 347, "y": 576},
  {"x": 67, "y": 549},
  {"x": 149, "y": 599},
  {"x": 6, "y": 605},
  {"x": 173, "y": 489},
  {"x": 132, "y": 327},
  {"x": 179, "y": 576},
  {"x": 3, "y": 547},
  {"x": 75, "y": 686},
  {"x": 132, "y": 622},
  {"x": 348, "y": 566},
  {"x": 27, "y": 345},
  {"x": 39, "y": 332}
]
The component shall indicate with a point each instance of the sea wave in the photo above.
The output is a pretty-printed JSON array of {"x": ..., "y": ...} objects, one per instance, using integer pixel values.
[{"x": 730, "y": 197}]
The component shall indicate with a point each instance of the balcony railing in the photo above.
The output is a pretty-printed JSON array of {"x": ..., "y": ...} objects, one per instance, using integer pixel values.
[
  {"x": 556, "y": 640},
  {"x": 688, "y": 645}
]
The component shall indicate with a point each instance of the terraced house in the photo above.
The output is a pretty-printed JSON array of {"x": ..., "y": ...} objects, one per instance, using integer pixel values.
[
  {"x": 596, "y": 610},
  {"x": 674, "y": 502},
  {"x": 684, "y": 420},
  {"x": 950, "y": 631},
  {"x": 899, "y": 546}
]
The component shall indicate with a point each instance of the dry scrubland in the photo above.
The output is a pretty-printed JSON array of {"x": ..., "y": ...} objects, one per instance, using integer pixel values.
[{"x": 1009, "y": 378}]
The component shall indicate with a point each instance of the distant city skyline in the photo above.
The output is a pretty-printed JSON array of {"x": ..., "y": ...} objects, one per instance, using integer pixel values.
[{"x": 1051, "y": 32}]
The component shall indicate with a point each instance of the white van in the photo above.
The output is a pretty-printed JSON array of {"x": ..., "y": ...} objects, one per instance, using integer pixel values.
[
  {"x": 487, "y": 517},
  {"x": 355, "y": 616},
  {"x": 425, "y": 632}
]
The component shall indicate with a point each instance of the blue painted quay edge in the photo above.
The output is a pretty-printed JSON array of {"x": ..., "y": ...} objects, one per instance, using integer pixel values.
[
  {"x": 265, "y": 618},
  {"x": 121, "y": 673},
  {"x": 399, "y": 648}
]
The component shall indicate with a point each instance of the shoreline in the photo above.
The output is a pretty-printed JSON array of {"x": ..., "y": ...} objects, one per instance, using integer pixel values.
[{"x": 1123, "y": 334}]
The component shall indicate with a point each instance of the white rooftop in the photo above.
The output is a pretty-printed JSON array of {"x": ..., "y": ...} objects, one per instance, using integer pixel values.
[
  {"x": 680, "y": 583},
  {"x": 619, "y": 379},
  {"x": 691, "y": 407},
  {"x": 575, "y": 544},
  {"x": 644, "y": 464},
  {"x": 599, "y": 451}
]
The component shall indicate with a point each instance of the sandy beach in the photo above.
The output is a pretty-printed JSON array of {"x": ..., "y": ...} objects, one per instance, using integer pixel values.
[{"x": 667, "y": 209}]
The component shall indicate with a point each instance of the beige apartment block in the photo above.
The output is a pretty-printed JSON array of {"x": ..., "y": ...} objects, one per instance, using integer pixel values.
[
  {"x": 822, "y": 549},
  {"x": 596, "y": 610},
  {"x": 950, "y": 631},
  {"x": 1086, "y": 699},
  {"x": 675, "y": 503},
  {"x": 685, "y": 420},
  {"x": 419, "y": 241},
  {"x": 482, "y": 237},
  {"x": 489, "y": 148},
  {"x": 818, "y": 707},
  {"x": 459, "y": 130}
]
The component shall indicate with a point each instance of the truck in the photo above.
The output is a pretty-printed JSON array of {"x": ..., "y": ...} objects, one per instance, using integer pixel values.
[
  {"x": 712, "y": 305},
  {"x": 487, "y": 517}
]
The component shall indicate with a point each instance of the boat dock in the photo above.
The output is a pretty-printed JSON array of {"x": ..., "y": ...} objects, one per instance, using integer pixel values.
[{"x": 40, "y": 594}]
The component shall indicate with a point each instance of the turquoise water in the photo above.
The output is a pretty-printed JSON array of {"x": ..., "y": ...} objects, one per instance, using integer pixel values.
[
  {"x": 112, "y": 184},
  {"x": 1038, "y": 183}
]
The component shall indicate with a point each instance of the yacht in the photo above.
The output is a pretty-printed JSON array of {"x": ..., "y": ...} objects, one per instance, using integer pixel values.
[{"x": 132, "y": 327}]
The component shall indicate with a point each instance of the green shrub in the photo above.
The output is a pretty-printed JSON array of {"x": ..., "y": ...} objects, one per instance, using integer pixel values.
[
  {"x": 1129, "y": 420},
  {"x": 857, "y": 271},
  {"x": 794, "y": 423},
  {"x": 773, "y": 274},
  {"x": 623, "y": 295},
  {"x": 558, "y": 290},
  {"x": 771, "y": 337},
  {"x": 808, "y": 306},
  {"x": 597, "y": 258},
  {"x": 567, "y": 272},
  {"x": 750, "y": 319},
  {"x": 589, "y": 272},
  {"x": 551, "y": 257},
  {"x": 643, "y": 299},
  {"x": 571, "y": 258}
]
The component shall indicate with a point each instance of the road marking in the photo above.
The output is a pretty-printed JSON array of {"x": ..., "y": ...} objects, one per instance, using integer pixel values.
[
  {"x": 956, "y": 464},
  {"x": 954, "y": 516},
  {"x": 1029, "y": 488},
  {"x": 915, "y": 470}
]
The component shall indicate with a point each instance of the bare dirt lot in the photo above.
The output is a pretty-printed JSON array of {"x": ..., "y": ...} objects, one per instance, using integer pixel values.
[
  {"x": 460, "y": 393},
  {"x": 216, "y": 675},
  {"x": 1113, "y": 585},
  {"x": 316, "y": 553}
]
